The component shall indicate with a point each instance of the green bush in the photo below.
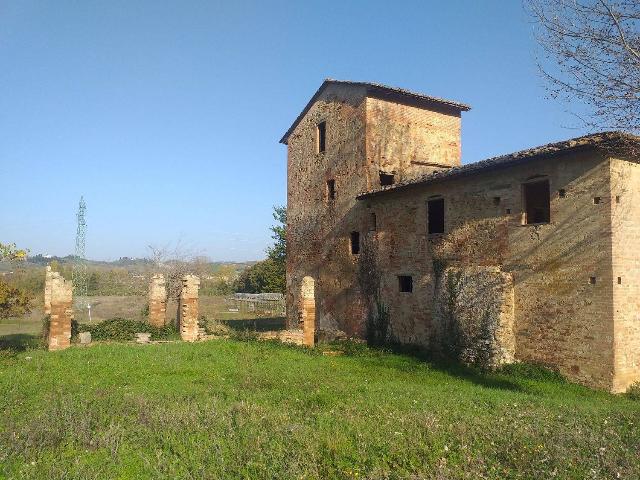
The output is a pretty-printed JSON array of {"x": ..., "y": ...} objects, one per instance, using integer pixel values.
[
  {"x": 634, "y": 391},
  {"x": 122, "y": 329}
]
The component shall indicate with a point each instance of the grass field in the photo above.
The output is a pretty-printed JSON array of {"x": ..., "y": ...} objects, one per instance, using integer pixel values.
[{"x": 230, "y": 409}]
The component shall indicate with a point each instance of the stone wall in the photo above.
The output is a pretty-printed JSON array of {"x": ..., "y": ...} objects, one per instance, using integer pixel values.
[
  {"x": 624, "y": 201},
  {"x": 59, "y": 295},
  {"x": 364, "y": 136},
  {"x": 188, "y": 308},
  {"x": 473, "y": 315},
  {"x": 562, "y": 319},
  {"x": 157, "y": 300}
]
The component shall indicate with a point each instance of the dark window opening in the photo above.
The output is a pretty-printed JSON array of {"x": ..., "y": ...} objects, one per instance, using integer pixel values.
[
  {"x": 355, "y": 243},
  {"x": 617, "y": 198},
  {"x": 619, "y": 280},
  {"x": 508, "y": 211},
  {"x": 592, "y": 280},
  {"x": 386, "y": 179},
  {"x": 537, "y": 203},
  {"x": 331, "y": 189},
  {"x": 405, "y": 283},
  {"x": 435, "y": 215},
  {"x": 374, "y": 222},
  {"x": 562, "y": 193},
  {"x": 322, "y": 136},
  {"x": 596, "y": 200},
  {"x": 496, "y": 200}
]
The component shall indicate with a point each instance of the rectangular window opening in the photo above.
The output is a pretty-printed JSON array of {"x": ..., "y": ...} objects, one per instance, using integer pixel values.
[
  {"x": 619, "y": 280},
  {"x": 405, "y": 283},
  {"x": 331, "y": 189},
  {"x": 617, "y": 198},
  {"x": 562, "y": 193},
  {"x": 374, "y": 222},
  {"x": 597, "y": 200},
  {"x": 322, "y": 137},
  {"x": 435, "y": 216},
  {"x": 537, "y": 202},
  {"x": 386, "y": 179},
  {"x": 592, "y": 280},
  {"x": 355, "y": 243}
]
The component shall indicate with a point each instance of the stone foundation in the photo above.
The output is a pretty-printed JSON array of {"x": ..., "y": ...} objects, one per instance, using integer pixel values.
[
  {"x": 58, "y": 305},
  {"x": 157, "y": 301},
  {"x": 473, "y": 313},
  {"x": 188, "y": 309}
]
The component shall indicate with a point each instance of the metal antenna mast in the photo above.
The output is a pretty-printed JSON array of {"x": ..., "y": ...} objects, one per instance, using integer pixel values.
[{"x": 79, "y": 274}]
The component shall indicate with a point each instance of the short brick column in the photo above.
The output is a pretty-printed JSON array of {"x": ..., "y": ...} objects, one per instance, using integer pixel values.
[
  {"x": 157, "y": 300},
  {"x": 60, "y": 298},
  {"x": 188, "y": 309}
]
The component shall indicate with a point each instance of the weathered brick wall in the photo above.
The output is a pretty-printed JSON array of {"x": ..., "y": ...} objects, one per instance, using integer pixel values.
[
  {"x": 409, "y": 139},
  {"x": 561, "y": 319},
  {"x": 157, "y": 300},
  {"x": 188, "y": 308},
  {"x": 473, "y": 314},
  {"x": 624, "y": 199},
  {"x": 60, "y": 296},
  {"x": 364, "y": 135},
  {"x": 318, "y": 229}
]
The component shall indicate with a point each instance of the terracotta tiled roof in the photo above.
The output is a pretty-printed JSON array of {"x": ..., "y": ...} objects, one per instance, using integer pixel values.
[
  {"x": 373, "y": 88},
  {"x": 614, "y": 140}
]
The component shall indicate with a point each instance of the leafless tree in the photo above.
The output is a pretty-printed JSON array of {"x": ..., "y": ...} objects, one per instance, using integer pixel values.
[
  {"x": 590, "y": 52},
  {"x": 176, "y": 261}
]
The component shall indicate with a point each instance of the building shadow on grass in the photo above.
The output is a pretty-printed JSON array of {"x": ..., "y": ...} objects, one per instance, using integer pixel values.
[
  {"x": 19, "y": 342},
  {"x": 475, "y": 375}
]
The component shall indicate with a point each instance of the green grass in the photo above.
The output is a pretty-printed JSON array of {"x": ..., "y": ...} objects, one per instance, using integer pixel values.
[{"x": 230, "y": 409}]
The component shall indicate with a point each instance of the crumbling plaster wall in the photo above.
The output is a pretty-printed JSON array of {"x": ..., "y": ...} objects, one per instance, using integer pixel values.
[
  {"x": 364, "y": 135},
  {"x": 561, "y": 319},
  {"x": 474, "y": 317},
  {"x": 625, "y": 219}
]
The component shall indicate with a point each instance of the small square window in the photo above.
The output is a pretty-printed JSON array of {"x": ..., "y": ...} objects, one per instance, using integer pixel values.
[
  {"x": 322, "y": 137},
  {"x": 386, "y": 179},
  {"x": 508, "y": 210},
  {"x": 331, "y": 189},
  {"x": 592, "y": 280},
  {"x": 405, "y": 283},
  {"x": 355, "y": 243},
  {"x": 597, "y": 200},
  {"x": 562, "y": 193}
]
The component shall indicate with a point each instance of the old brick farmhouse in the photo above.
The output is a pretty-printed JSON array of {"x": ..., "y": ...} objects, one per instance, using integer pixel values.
[{"x": 530, "y": 256}]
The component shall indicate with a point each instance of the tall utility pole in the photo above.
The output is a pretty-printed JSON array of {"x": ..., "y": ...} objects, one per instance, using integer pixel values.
[{"x": 79, "y": 274}]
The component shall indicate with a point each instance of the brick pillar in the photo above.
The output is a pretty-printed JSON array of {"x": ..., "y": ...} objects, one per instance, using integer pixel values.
[
  {"x": 60, "y": 311},
  {"x": 47, "y": 290},
  {"x": 308, "y": 311},
  {"x": 157, "y": 301},
  {"x": 188, "y": 309}
]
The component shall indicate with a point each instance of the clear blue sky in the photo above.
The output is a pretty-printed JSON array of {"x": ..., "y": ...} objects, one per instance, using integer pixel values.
[{"x": 166, "y": 116}]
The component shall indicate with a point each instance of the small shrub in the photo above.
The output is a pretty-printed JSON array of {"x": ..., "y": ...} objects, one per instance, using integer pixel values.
[
  {"x": 634, "y": 391},
  {"x": 144, "y": 311},
  {"x": 244, "y": 335},
  {"x": 214, "y": 327},
  {"x": 122, "y": 329}
]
